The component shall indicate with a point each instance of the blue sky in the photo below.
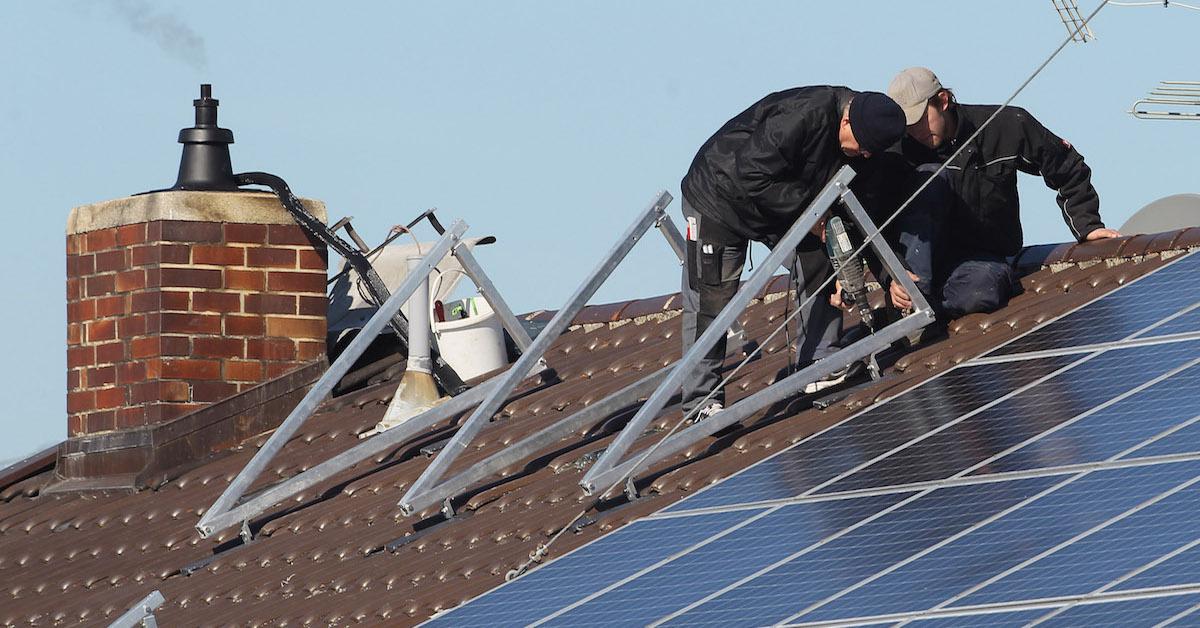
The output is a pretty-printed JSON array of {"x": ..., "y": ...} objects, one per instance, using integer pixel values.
[{"x": 546, "y": 124}]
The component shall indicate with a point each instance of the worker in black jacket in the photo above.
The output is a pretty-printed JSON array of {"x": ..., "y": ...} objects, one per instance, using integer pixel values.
[
  {"x": 958, "y": 234},
  {"x": 750, "y": 181}
]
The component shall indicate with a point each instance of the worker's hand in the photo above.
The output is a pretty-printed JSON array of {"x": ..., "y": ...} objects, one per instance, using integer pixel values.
[
  {"x": 819, "y": 228},
  {"x": 1102, "y": 233},
  {"x": 900, "y": 297},
  {"x": 835, "y": 299}
]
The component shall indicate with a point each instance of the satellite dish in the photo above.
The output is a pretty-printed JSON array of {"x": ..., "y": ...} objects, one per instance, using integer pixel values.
[{"x": 1169, "y": 213}]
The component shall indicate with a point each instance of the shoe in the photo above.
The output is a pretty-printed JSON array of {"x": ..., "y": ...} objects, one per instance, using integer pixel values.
[
  {"x": 708, "y": 411},
  {"x": 835, "y": 378}
]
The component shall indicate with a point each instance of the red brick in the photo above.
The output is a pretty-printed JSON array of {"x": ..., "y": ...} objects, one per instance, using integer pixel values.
[
  {"x": 131, "y": 372},
  {"x": 271, "y": 258},
  {"x": 74, "y": 333},
  {"x": 313, "y": 306},
  {"x": 270, "y": 304},
  {"x": 219, "y": 255},
  {"x": 74, "y": 289},
  {"x": 244, "y": 326},
  {"x": 144, "y": 347},
  {"x": 213, "y": 391},
  {"x": 244, "y": 371},
  {"x": 191, "y": 277},
  {"x": 287, "y": 234},
  {"x": 116, "y": 305},
  {"x": 175, "y": 345},
  {"x": 153, "y": 368},
  {"x": 81, "y": 401},
  {"x": 77, "y": 425},
  {"x": 217, "y": 302},
  {"x": 149, "y": 301},
  {"x": 173, "y": 301},
  {"x": 131, "y": 326},
  {"x": 310, "y": 351},
  {"x": 271, "y": 349},
  {"x": 131, "y": 280},
  {"x": 73, "y": 377},
  {"x": 191, "y": 369},
  {"x": 110, "y": 261},
  {"x": 175, "y": 253},
  {"x": 131, "y": 417},
  {"x": 218, "y": 347},
  {"x": 154, "y": 392},
  {"x": 287, "y": 327},
  {"x": 75, "y": 244},
  {"x": 110, "y": 397},
  {"x": 145, "y": 255},
  {"x": 101, "y": 376},
  {"x": 110, "y": 353},
  {"x": 101, "y": 240},
  {"x": 191, "y": 323},
  {"x": 281, "y": 281},
  {"x": 98, "y": 285},
  {"x": 236, "y": 232},
  {"x": 80, "y": 311},
  {"x": 154, "y": 231},
  {"x": 314, "y": 260},
  {"x": 80, "y": 265},
  {"x": 187, "y": 231},
  {"x": 103, "y": 421},
  {"x": 81, "y": 356},
  {"x": 101, "y": 330},
  {"x": 245, "y": 280},
  {"x": 275, "y": 369},
  {"x": 131, "y": 234}
]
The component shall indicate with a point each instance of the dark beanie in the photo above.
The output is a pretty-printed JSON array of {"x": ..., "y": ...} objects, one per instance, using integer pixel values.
[{"x": 876, "y": 121}]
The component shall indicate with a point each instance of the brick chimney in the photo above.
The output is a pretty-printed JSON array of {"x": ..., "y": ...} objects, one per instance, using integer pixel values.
[{"x": 179, "y": 299}]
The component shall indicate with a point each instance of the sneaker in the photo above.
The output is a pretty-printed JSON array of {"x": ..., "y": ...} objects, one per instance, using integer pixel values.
[
  {"x": 708, "y": 411},
  {"x": 835, "y": 378}
]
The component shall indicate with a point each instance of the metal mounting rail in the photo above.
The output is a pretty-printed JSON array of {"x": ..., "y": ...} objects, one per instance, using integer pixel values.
[
  {"x": 609, "y": 469},
  {"x": 426, "y": 486},
  {"x": 324, "y": 386},
  {"x": 141, "y": 614}
]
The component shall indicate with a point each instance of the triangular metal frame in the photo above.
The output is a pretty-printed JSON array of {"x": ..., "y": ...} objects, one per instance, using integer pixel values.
[
  {"x": 427, "y": 490},
  {"x": 609, "y": 470}
]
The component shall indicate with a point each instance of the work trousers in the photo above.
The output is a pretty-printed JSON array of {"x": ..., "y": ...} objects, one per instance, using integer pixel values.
[
  {"x": 711, "y": 276},
  {"x": 955, "y": 280}
]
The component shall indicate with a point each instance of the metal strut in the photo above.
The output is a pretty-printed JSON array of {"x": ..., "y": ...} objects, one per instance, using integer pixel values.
[{"x": 443, "y": 373}]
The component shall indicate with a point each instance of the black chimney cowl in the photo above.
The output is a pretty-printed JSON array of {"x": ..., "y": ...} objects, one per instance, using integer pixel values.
[{"x": 205, "y": 164}]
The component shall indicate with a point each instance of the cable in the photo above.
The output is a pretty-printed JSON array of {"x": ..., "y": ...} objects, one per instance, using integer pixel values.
[
  {"x": 542, "y": 549},
  {"x": 1163, "y": 3}
]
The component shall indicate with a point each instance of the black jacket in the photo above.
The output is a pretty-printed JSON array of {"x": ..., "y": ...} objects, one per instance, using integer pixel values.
[
  {"x": 984, "y": 177},
  {"x": 759, "y": 172}
]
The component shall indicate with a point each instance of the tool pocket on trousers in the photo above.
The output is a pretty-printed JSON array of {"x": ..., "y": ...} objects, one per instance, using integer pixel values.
[
  {"x": 710, "y": 263},
  {"x": 693, "y": 272}
]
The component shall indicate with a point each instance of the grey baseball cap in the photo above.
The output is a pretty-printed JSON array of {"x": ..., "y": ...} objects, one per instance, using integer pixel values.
[{"x": 911, "y": 89}]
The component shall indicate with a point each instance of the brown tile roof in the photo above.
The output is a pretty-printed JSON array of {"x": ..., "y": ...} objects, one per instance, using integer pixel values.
[{"x": 87, "y": 557}]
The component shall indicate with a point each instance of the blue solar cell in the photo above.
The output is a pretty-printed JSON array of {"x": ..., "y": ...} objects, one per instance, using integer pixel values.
[
  {"x": 1184, "y": 441},
  {"x": 1117, "y": 428},
  {"x": 1075, "y": 506},
  {"x": 1011, "y": 619},
  {"x": 1181, "y": 569},
  {"x": 873, "y": 433},
  {"x": 1117, "y": 549},
  {"x": 1183, "y": 324},
  {"x": 564, "y": 581},
  {"x": 827, "y": 569},
  {"x": 1126, "y": 613},
  {"x": 1013, "y": 421},
  {"x": 724, "y": 561},
  {"x": 1120, "y": 314}
]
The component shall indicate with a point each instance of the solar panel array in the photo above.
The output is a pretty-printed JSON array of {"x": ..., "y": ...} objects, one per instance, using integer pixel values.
[{"x": 1054, "y": 482}]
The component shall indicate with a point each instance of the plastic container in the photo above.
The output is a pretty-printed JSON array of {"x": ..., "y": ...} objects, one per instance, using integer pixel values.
[{"x": 473, "y": 345}]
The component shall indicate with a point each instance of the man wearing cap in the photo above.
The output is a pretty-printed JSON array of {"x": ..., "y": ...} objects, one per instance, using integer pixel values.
[
  {"x": 750, "y": 181},
  {"x": 958, "y": 234}
]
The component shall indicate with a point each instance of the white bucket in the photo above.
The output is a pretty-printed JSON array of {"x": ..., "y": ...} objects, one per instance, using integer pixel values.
[{"x": 472, "y": 345}]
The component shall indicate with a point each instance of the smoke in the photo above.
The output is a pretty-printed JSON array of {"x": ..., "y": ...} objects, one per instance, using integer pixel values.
[{"x": 166, "y": 30}]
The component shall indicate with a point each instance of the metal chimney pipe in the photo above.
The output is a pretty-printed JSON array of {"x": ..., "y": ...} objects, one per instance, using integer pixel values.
[
  {"x": 419, "y": 329},
  {"x": 205, "y": 164}
]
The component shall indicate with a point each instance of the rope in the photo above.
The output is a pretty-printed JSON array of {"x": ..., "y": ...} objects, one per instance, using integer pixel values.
[{"x": 542, "y": 549}]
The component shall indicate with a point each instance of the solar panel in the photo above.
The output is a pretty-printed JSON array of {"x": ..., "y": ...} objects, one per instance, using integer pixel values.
[
  {"x": 1140, "y": 612},
  {"x": 1119, "y": 314}
]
